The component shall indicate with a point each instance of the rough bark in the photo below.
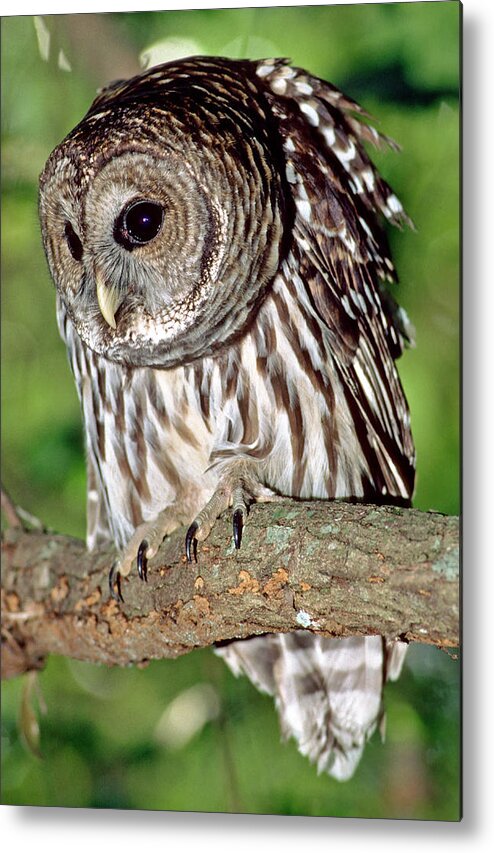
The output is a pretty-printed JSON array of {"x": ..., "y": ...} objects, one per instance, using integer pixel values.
[{"x": 335, "y": 568}]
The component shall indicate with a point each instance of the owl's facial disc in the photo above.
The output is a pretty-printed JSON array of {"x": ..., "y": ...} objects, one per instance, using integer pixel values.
[{"x": 160, "y": 256}]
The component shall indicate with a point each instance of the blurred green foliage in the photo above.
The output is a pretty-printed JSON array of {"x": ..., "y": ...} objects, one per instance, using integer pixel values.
[{"x": 103, "y": 740}]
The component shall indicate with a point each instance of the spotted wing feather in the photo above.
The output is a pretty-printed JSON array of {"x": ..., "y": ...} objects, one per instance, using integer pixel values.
[{"x": 341, "y": 253}]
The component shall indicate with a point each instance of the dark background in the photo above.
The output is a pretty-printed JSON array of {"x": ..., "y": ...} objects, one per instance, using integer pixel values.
[{"x": 110, "y": 738}]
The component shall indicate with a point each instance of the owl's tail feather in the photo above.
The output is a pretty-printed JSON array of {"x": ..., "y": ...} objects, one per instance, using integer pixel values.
[{"x": 328, "y": 692}]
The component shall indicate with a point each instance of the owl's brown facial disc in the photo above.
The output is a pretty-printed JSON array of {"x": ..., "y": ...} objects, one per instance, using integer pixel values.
[{"x": 160, "y": 246}]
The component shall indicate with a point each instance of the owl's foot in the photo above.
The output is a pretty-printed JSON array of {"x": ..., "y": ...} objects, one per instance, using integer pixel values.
[
  {"x": 143, "y": 545},
  {"x": 238, "y": 488}
]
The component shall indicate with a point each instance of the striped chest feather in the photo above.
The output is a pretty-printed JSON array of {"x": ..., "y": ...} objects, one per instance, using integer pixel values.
[{"x": 161, "y": 437}]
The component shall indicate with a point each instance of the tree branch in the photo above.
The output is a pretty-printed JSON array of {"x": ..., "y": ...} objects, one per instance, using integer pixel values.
[{"x": 333, "y": 567}]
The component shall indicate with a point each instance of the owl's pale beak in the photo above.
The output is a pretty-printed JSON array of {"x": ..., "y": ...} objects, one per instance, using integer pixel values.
[{"x": 109, "y": 299}]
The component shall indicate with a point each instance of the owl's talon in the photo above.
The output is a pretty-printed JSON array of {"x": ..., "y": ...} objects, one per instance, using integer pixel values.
[
  {"x": 114, "y": 580},
  {"x": 238, "y": 526},
  {"x": 191, "y": 542},
  {"x": 142, "y": 563}
]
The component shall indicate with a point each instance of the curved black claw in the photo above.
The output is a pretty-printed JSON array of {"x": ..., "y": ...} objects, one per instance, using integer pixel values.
[
  {"x": 238, "y": 526},
  {"x": 191, "y": 542},
  {"x": 114, "y": 581},
  {"x": 142, "y": 563}
]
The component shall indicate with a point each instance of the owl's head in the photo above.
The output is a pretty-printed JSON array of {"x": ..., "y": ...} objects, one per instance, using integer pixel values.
[{"x": 160, "y": 214}]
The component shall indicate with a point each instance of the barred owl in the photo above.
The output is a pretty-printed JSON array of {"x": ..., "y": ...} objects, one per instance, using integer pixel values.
[{"x": 214, "y": 229}]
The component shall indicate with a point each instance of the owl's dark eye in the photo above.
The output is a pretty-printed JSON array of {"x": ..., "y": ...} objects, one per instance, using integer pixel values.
[
  {"x": 73, "y": 242},
  {"x": 138, "y": 224}
]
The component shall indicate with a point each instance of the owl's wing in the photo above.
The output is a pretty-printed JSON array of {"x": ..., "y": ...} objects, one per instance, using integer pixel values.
[
  {"x": 328, "y": 692},
  {"x": 339, "y": 252}
]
